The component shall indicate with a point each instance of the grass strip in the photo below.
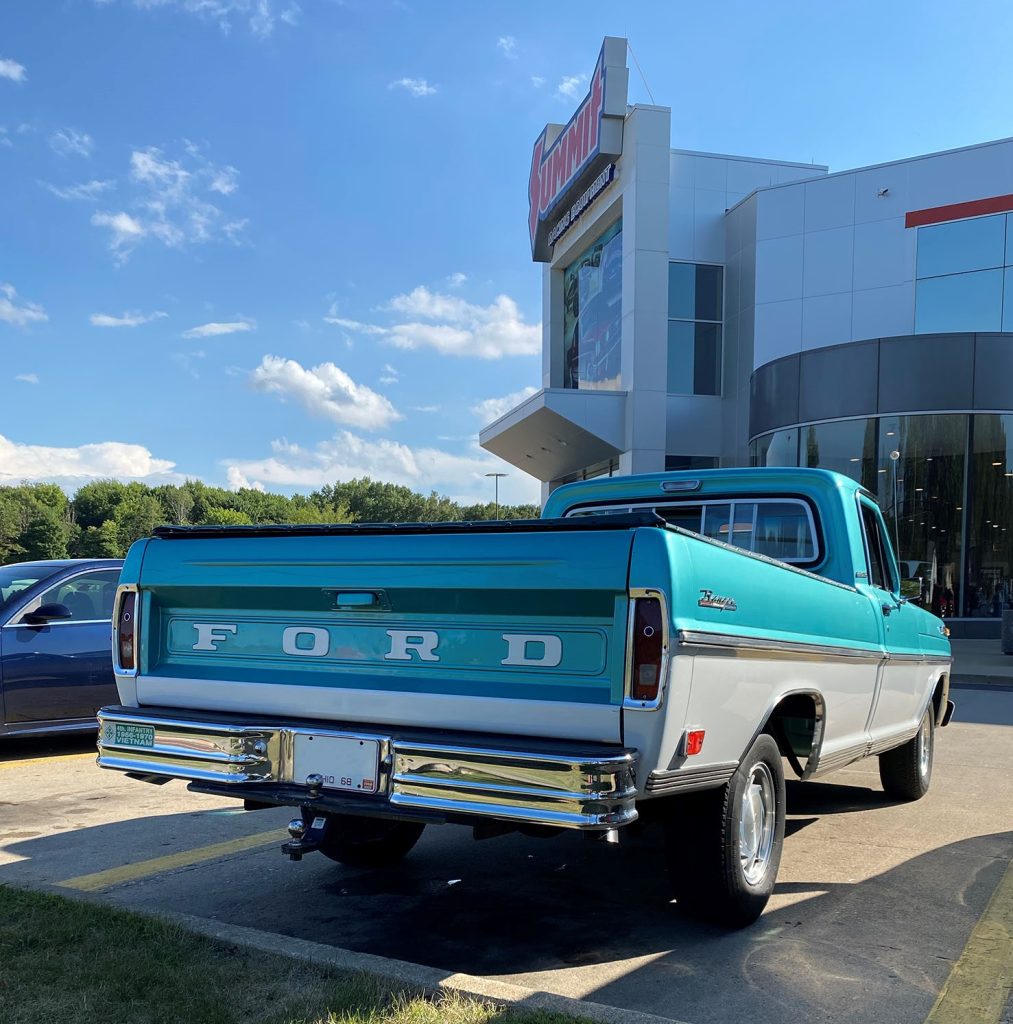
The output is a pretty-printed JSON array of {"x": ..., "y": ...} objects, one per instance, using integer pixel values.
[{"x": 63, "y": 960}]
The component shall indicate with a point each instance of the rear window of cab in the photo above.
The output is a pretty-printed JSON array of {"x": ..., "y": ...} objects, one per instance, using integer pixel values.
[{"x": 781, "y": 528}]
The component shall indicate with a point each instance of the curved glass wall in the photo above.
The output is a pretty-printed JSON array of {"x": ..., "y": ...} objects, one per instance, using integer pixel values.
[{"x": 945, "y": 484}]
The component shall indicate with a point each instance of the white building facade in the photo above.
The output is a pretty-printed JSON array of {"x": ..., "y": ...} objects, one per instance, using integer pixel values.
[{"x": 703, "y": 310}]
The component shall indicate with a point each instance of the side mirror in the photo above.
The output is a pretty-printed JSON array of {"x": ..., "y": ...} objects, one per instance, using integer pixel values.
[{"x": 48, "y": 613}]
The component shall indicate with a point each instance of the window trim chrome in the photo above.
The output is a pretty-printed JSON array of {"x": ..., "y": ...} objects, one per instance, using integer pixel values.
[{"x": 818, "y": 553}]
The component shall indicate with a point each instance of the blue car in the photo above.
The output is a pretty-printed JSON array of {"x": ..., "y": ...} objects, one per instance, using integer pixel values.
[{"x": 55, "y": 660}]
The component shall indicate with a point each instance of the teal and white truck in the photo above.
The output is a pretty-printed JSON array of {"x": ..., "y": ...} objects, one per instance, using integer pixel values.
[{"x": 657, "y": 647}]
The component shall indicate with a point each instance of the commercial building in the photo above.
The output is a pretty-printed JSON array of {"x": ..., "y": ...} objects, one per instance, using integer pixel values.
[{"x": 703, "y": 310}]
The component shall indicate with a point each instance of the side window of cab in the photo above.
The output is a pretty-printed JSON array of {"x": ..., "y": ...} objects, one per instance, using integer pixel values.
[{"x": 879, "y": 555}]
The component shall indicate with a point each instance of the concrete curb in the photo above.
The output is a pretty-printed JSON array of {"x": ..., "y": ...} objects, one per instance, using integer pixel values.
[{"x": 418, "y": 977}]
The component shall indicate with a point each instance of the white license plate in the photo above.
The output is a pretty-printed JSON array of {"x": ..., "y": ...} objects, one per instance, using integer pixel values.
[{"x": 344, "y": 762}]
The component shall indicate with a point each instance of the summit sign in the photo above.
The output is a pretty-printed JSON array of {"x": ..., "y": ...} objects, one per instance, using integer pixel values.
[{"x": 568, "y": 160}]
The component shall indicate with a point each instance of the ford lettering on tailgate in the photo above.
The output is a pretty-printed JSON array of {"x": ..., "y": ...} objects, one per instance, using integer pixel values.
[{"x": 478, "y": 647}]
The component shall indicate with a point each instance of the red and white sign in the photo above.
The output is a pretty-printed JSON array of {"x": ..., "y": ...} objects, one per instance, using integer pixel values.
[{"x": 565, "y": 160}]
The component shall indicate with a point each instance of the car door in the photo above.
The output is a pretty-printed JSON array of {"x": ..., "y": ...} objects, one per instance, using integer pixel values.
[
  {"x": 61, "y": 670},
  {"x": 901, "y": 689}
]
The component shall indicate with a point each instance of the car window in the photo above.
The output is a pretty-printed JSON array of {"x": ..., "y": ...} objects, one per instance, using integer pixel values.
[
  {"x": 880, "y": 574},
  {"x": 783, "y": 531},
  {"x": 15, "y": 579},
  {"x": 88, "y": 596}
]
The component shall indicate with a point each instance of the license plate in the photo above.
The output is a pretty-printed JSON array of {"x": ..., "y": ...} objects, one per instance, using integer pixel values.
[
  {"x": 344, "y": 762},
  {"x": 125, "y": 735}
]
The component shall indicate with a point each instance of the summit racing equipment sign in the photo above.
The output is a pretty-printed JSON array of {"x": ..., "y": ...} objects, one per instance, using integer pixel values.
[{"x": 567, "y": 160}]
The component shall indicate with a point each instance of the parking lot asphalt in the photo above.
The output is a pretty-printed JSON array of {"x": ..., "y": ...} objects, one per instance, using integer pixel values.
[{"x": 877, "y": 904}]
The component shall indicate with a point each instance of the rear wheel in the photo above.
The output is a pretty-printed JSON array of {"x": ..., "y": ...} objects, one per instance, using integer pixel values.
[
  {"x": 725, "y": 845},
  {"x": 907, "y": 771},
  {"x": 369, "y": 842}
]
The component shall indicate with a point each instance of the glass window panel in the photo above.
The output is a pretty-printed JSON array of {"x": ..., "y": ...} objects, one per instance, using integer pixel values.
[
  {"x": 1007, "y": 300},
  {"x": 783, "y": 531},
  {"x": 962, "y": 302},
  {"x": 921, "y": 494},
  {"x": 777, "y": 449},
  {"x": 682, "y": 290},
  {"x": 592, "y": 314},
  {"x": 674, "y": 463},
  {"x": 681, "y": 352},
  {"x": 874, "y": 550},
  {"x": 686, "y": 516},
  {"x": 708, "y": 292},
  {"x": 848, "y": 447},
  {"x": 742, "y": 524},
  {"x": 990, "y": 519},
  {"x": 1009, "y": 241},
  {"x": 88, "y": 597},
  {"x": 715, "y": 521},
  {"x": 962, "y": 245},
  {"x": 707, "y": 360}
]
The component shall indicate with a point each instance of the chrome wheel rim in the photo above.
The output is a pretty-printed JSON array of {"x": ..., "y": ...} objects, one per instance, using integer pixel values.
[
  {"x": 757, "y": 819},
  {"x": 925, "y": 746}
]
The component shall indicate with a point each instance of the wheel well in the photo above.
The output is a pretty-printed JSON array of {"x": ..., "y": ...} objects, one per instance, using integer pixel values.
[
  {"x": 796, "y": 723},
  {"x": 939, "y": 696}
]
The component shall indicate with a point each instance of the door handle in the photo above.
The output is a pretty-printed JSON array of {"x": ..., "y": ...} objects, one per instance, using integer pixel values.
[{"x": 887, "y": 609}]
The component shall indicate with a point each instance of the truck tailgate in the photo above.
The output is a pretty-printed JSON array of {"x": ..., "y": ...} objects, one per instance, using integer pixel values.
[{"x": 518, "y": 632}]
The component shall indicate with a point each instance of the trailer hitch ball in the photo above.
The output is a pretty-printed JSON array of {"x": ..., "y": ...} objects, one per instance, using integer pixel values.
[{"x": 297, "y": 828}]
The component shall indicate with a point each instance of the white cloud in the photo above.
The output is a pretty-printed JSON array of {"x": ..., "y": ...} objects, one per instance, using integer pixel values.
[
  {"x": 507, "y": 46},
  {"x": 213, "y": 330},
  {"x": 416, "y": 86},
  {"x": 490, "y": 409},
  {"x": 89, "y": 191},
  {"x": 354, "y": 325},
  {"x": 456, "y": 279},
  {"x": 126, "y": 231},
  {"x": 186, "y": 361},
  {"x": 571, "y": 87},
  {"x": 537, "y": 81},
  {"x": 128, "y": 319},
  {"x": 258, "y": 15},
  {"x": 168, "y": 200},
  {"x": 326, "y": 391},
  {"x": 424, "y": 408},
  {"x": 390, "y": 375},
  {"x": 5, "y": 139},
  {"x": 70, "y": 142},
  {"x": 28, "y": 378},
  {"x": 87, "y": 461},
  {"x": 455, "y": 327},
  {"x": 19, "y": 316},
  {"x": 12, "y": 70},
  {"x": 346, "y": 456}
]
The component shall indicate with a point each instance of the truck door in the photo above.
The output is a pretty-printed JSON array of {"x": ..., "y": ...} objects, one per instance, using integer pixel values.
[{"x": 901, "y": 688}]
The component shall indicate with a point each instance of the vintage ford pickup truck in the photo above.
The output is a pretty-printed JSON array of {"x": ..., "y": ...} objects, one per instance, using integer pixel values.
[{"x": 654, "y": 647}]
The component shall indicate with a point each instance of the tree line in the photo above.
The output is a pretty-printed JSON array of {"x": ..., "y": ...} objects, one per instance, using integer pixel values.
[{"x": 104, "y": 517}]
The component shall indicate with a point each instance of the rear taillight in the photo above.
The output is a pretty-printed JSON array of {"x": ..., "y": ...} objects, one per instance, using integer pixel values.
[
  {"x": 648, "y": 641},
  {"x": 126, "y": 632}
]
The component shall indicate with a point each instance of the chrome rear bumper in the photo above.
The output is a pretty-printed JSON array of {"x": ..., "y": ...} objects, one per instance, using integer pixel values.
[{"x": 565, "y": 785}]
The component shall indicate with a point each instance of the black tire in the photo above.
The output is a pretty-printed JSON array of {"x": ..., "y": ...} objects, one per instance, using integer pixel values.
[
  {"x": 906, "y": 771},
  {"x": 710, "y": 878},
  {"x": 369, "y": 842}
]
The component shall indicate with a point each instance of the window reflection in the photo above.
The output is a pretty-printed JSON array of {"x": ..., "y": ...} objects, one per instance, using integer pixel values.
[
  {"x": 777, "y": 449},
  {"x": 921, "y": 492},
  {"x": 961, "y": 245},
  {"x": 990, "y": 545},
  {"x": 847, "y": 447},
  {"x": 961, "y": 302}
]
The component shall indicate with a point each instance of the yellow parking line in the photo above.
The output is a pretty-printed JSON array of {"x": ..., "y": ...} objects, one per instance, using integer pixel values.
[
  {"x": 157, "y": 865},
  {"x": 48, "y": 760},
  {"x": 979, "y": 984}
]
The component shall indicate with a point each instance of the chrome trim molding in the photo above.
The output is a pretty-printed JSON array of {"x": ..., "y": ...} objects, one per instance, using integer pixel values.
[
  {"x": 629, "y": 703},
  {"x": 839, "y": 758},
  {"x": 689, "y": 780},
  {"x": 744, "y": 646},
  {"x": 591, "y": 790}
]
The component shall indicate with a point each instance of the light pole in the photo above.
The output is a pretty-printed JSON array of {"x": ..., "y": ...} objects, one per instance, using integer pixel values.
[
  {"x": 895, "y": 458},
  {"x": 496, "y": 477}
]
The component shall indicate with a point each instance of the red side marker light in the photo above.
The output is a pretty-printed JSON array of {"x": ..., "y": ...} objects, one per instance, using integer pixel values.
[{"x": 694, "y": 742}]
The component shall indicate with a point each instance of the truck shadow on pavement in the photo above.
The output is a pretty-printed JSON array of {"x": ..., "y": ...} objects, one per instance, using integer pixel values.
[{"x": 581, "y": 918}]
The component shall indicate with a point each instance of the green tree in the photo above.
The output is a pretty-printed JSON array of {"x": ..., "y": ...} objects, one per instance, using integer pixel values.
[
  {"x": 99, "y": 542},
  {"x": 136, "y": 516},
  {"x": 96, "y": 502},
  {"x": 215, "y": 516},
  {"x": 45, "y": 535}
]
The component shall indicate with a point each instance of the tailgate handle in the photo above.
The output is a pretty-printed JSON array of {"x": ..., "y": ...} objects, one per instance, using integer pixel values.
[{"x": 359, "y": 600}]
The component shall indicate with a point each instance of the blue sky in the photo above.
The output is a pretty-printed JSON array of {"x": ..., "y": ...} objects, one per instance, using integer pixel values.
[{"x": 284, "y": 243}]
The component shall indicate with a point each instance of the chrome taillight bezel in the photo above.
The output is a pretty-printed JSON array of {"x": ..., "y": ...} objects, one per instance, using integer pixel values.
[
  {"x": 629, "y": 701},
  {"x": 124, "y": 591}
]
